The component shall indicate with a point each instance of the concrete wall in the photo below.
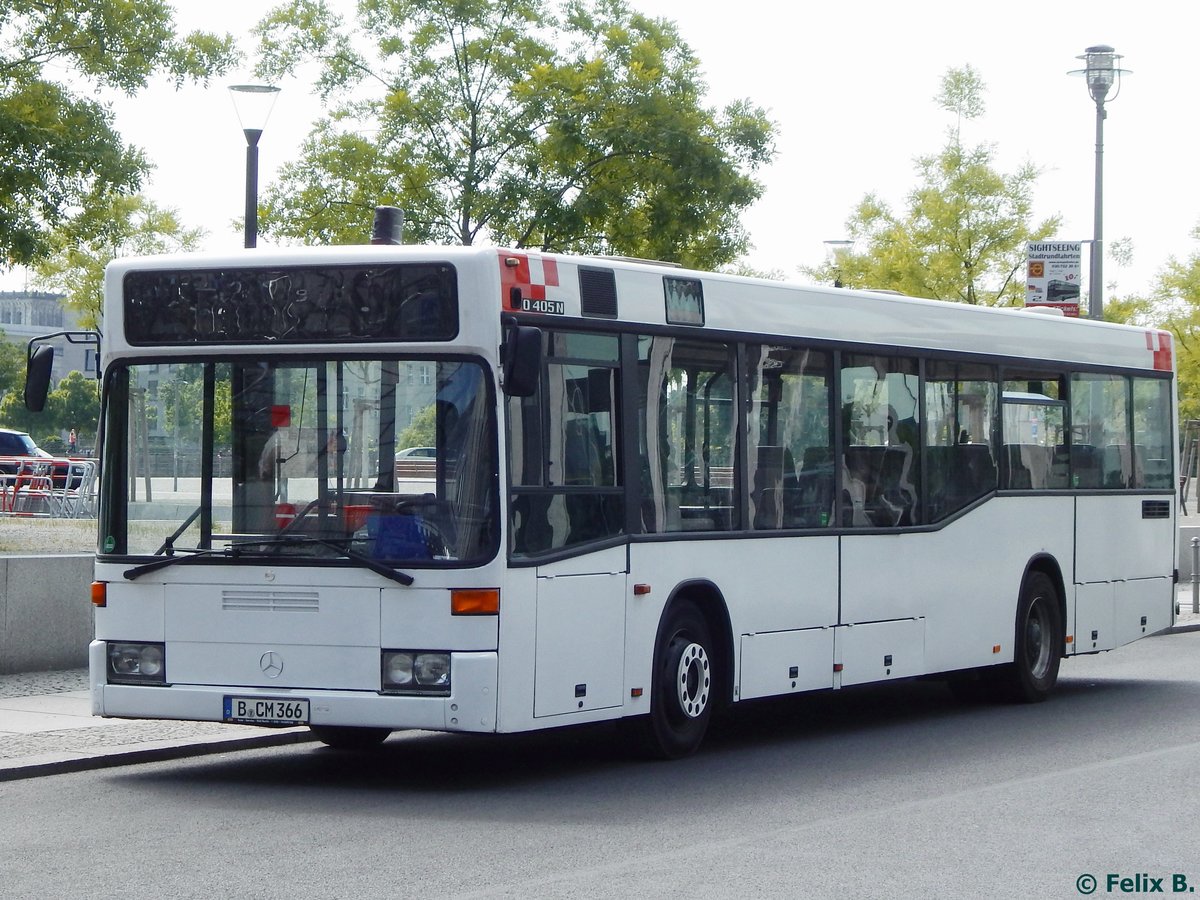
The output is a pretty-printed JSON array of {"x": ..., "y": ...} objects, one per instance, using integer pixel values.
[{"x": 46, "y": 619}]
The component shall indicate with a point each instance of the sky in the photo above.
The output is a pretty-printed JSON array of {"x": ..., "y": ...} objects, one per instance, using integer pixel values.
[{"x": 850, "y": 86}]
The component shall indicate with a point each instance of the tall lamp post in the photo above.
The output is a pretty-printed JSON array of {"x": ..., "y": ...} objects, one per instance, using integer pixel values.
[
  {"x": 253, "y": 104},
  {"x": 1103, "y": 70},
  {"x": 837, "y": 250}
]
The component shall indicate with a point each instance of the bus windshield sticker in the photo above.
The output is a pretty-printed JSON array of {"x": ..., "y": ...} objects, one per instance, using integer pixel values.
[{"x": 685, "y": 300}]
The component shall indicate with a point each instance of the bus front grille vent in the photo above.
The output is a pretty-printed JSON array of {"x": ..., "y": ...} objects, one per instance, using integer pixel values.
[{"x": 271, "y": 601}]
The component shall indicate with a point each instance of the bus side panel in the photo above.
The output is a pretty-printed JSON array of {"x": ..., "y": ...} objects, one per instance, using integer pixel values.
[
  {"x": 1142, "y": 547},
  {"x": 964, "y": 579},
  {"x": 773, "y": 585},
  {"x": 1124, "y": 575}
]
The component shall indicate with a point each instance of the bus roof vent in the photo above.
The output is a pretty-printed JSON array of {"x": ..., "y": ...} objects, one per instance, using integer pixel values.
[{"x": 598, "y": 292}]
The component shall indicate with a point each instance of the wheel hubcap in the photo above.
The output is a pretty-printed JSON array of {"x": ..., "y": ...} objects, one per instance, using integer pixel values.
[
  {"x": 693, "y": 680},
  {"x": 1037, "y": 647}
]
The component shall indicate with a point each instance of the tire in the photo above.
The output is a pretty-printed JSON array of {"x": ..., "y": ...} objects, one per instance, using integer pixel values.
[
  {"x": 347, "y": 738},
  {"x": 1033, "y": 673},
  {"x": 683, "y": 684}
]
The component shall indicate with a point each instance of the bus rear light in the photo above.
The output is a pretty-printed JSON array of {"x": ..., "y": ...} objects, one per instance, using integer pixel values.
[
  {"x": 99, "y": 593},
  {"x": 995, "y": 648},
  {"x": 1070, "y": 638},
  {"x": 475, "y": 602}
]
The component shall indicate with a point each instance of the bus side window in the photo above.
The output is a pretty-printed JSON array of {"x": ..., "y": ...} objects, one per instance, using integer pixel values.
[
  {"x": 563, "y": 448},
  {"x": 881, "y": 436},
  {"x": 788, "y": 419},
  {"x": 960, "y": 408},
  {"x": 1153, "y": 455},
  {"x": 688, "y": 435},
  {"x": 1100, "y": 452}
]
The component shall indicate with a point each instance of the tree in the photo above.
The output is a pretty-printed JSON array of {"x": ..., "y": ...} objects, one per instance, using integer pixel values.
[
  {"x": 576, "y": 127},
  {"x": 422, "y": 430},
  {"x": 75, "y": 403},
  {"x": 133, "y": 226},
  {"x": 12, "y": 366},
  {"x": 63, "y": 162},
  {"x": 963, "y": 234},
  {"x": 1176, "y": 299}
]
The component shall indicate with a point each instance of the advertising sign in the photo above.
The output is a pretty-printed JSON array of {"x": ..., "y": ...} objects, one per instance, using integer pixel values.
[{"x": 1052, "y": 275}]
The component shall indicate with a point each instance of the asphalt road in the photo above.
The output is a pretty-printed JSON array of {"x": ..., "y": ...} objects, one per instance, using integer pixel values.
[{"x": 881, "y": 792}]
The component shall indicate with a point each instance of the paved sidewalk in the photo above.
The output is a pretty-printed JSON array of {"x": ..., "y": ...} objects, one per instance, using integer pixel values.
[{"x": 47, "y": 726}]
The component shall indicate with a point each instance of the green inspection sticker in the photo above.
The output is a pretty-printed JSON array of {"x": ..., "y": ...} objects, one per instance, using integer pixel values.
[{"x": 110, "y": 544}]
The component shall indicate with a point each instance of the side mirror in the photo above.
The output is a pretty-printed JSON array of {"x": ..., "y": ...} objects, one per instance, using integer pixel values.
[
  {"x": 521, "y": 360},
  {"x": 37, "y": 377}
]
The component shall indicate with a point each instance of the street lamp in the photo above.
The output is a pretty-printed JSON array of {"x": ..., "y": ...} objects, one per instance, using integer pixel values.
[
  {"x": 1103, "y": 70},
  {"x": 837, "y": 250},
  {"x": 253, "y": 104}
]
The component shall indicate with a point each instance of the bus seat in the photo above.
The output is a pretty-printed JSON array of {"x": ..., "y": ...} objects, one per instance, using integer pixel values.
[
  {"x": 1117, "y": 466},
  {"x": 1085, "y": 466},
  {"x": 768, "y": 488},
  {"x": 531, "y": 523},
  {"x": 581, "y": 454}
]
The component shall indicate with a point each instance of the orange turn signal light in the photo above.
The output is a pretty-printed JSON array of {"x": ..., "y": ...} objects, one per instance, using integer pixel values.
[
  {"x": 99, "y": 593},
  {"x": 475, "y": 601}
]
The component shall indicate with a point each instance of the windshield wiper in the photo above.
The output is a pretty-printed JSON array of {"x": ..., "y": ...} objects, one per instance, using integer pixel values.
[
  {"x": 137, "y": 571},
  {"x": 168, "y": 546},
  {"x": 238, "y": 549},
  {"x": 293, "y": 540}
]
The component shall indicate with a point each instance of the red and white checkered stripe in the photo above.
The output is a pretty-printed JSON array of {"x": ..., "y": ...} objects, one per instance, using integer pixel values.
[{"x": 530, "y": 273}]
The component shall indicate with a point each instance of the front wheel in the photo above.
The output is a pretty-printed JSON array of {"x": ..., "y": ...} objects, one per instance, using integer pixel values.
[
  {"x": 347, "y": 738},
  {"x": 1031, "y": 676},
  {"x": 681, "y": 699}
]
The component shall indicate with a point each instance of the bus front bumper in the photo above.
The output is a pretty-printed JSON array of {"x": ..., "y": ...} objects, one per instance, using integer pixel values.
[{"x": 471, "y": 705}]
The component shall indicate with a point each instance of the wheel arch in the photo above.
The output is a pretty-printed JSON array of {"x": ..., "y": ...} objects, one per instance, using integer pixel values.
[
  {"x": 709, "y": 600},
  {"x": 1048, "y": 566}
]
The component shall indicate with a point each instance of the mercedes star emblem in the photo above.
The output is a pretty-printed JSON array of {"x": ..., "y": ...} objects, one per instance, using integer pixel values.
[{"x": 271, "y": 663}]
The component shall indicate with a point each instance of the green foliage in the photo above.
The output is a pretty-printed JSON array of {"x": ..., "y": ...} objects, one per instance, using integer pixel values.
[
  {"x": 962, "y": 236},
  {"x": 64, "y": 162},
  {"x": 132, "y": 225},
  {"x": 1176, "y": 303},
  {"x": 75, "y": 403},
  {"x": 421, "y": 431},
  {"x": 578, "y": 127},
  {"x": 12, "y": 366}
]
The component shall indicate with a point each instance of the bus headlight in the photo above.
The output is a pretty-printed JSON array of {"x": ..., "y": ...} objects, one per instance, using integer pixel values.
[
  {"x": 416, "y": 672},
  {"x": 137, "y": 664}
]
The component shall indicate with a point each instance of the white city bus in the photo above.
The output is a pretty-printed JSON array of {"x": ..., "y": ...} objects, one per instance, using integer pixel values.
[{"x": 644, "y": 493}]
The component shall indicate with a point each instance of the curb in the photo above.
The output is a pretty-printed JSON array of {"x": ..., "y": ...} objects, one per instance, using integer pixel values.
[
  {"x": 125, "y": 757},
  {"x": 1182, "y": 629}
]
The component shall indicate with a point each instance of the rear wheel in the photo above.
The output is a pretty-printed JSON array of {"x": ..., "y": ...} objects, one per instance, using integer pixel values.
[
  {"x": 1033, "y": 673},
  {"x": 682, "y": 698},
  {"x": 346, "y": 738}
]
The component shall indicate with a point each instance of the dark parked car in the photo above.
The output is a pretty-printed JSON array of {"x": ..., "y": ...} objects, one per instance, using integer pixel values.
[{"x": 20, "y": 444}]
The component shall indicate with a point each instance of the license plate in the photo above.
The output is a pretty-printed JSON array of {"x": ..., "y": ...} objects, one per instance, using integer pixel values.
[{"x": 266, "y": 711}]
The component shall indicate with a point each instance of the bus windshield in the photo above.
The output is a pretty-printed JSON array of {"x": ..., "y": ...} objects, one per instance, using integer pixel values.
[{"x": 392, "y": 459}]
